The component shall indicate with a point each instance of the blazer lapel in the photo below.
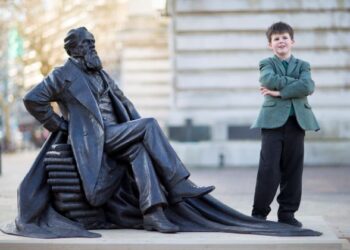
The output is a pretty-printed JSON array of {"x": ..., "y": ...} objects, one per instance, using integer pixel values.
[
  {"x": 291, "y": 65},
  {"x": 81, "y": 91}
]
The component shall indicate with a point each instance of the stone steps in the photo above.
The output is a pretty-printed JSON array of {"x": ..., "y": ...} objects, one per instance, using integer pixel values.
[
  {"x": 261, "y": 5},
  {"x": 213, "y": 60},
  {"x": 231, "y": 98},
  {"x": 247, "y": 40},
  {"x": 249, "y": 79},
  {"x": 243, "y": 21}
]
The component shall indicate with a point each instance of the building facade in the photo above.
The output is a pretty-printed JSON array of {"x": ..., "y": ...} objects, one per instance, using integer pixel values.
[
  {"x": 195, "y": 68},
  {"x": 216, "y": 47}
]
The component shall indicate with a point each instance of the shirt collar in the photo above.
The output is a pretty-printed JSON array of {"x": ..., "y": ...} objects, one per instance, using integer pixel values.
[{"x": 286, "y": 60}]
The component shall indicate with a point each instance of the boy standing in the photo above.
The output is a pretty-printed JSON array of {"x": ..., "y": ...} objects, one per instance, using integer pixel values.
[{"x": 285, "y": 115}]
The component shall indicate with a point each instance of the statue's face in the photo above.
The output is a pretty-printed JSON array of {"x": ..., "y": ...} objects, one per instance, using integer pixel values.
[
  {"x": 87, "y": 44},
  {"x": 86, "y": 50}
]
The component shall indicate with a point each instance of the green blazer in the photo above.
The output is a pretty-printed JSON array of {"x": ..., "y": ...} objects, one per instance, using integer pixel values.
[{"x": 294, "y": 84}]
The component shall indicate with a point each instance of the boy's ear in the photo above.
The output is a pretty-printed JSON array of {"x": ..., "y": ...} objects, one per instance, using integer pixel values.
[{"x": 269, "y": 45}]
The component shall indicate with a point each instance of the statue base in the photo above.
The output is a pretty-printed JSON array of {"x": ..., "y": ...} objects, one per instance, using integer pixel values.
[{"x": 144, "y": 240}]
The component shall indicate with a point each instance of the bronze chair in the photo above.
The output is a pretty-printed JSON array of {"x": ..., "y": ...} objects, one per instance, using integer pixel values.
[{"x": 68, "y": 196}]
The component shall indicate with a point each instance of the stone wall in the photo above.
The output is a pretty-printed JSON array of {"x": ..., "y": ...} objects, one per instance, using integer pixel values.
[
  {"x": 145, "y": 64},
  {"x": 216, "y": 47}
]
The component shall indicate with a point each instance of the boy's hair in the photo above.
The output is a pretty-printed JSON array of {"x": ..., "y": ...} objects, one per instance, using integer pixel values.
[{"x": 279, "y": 28}]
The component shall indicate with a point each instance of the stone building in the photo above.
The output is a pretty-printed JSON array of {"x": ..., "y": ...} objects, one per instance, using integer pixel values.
[
  {"x": 195, "y": 68},
  {"x": 216, "y": 47},
  {"x": 145, "y": 60}
]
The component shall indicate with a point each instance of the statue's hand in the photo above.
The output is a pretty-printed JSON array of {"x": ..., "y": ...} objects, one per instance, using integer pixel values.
[{"x": 64, "y": 126}]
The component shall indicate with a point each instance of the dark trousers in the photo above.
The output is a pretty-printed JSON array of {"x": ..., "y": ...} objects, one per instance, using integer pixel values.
[
  {"x": 153, "y": 161},
  {"x": 281, "y": 164}
]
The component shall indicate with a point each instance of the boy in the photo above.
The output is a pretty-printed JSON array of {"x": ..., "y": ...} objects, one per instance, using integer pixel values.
[{"x": 285, "y": 115}]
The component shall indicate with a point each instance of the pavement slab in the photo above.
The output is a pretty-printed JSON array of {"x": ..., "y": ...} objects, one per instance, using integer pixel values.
[{"x": 326, "y": 190}]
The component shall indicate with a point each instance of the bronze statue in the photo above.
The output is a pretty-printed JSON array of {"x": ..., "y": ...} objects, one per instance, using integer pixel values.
[{"x": 127, "y": 173}]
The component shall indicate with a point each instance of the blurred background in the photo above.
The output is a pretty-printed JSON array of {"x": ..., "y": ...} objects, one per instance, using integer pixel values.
[{"x": 191, "y": 64}]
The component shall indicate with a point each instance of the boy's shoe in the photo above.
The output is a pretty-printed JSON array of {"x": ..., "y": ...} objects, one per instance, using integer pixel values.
[
  {"x": 258, "y": 216},
  {"x": 290, "y": 221}
]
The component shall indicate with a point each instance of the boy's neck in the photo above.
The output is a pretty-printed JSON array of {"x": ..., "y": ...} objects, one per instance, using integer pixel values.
[{"x": 284, "y": 57}]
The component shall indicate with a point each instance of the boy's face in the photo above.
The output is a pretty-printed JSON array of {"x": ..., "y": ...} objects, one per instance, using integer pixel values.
[{"x": 281, "y": 45}]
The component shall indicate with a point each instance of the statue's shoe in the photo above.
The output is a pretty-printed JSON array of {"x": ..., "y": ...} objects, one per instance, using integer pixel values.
[
  {"x": 186, "y": 189},
  {"x": 157, "y": 221}
]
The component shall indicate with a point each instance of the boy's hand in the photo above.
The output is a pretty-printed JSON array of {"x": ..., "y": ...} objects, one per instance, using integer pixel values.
[{"x": 264, "y": 91}]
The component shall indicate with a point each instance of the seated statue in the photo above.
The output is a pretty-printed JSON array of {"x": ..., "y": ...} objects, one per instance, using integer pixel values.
[{"x": 126, "y": 166}]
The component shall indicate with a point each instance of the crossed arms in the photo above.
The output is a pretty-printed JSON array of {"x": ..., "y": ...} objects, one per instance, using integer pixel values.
[{"x": 285, "y": 87}]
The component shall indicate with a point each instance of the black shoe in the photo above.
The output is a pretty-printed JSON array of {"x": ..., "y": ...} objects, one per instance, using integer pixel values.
[
  {"x": 290, "y": 221},
  {"x": 259, "y": 216},
  {"x": 186, "y": 189},
  {"x": 156, "y": 221}
]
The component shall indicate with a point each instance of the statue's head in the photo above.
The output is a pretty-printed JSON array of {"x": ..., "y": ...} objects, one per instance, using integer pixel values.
[{"x": 80, "y": 44}]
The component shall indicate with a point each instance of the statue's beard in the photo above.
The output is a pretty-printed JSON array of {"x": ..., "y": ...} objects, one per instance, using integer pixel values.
[{"x": 92, "y": 61}]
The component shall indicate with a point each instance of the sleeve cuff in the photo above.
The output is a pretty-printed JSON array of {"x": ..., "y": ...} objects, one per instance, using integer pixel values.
[{"x": 53, "y": 123}]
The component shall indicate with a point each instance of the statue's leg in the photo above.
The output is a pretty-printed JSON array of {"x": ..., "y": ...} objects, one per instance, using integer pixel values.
[
  {"x": 150, "y": 191},
  {"x": 147, "y": 131},
  {"x": 151, "y": 197}
]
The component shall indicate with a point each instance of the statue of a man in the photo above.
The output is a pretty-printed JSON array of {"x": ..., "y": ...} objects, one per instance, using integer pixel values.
[
  {"x": 115, "y": 151},
  {"x": 101, "y": 120}
]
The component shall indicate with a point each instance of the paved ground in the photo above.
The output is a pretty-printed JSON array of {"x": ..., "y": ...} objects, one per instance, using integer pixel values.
[{"x": 326, "y": 190}]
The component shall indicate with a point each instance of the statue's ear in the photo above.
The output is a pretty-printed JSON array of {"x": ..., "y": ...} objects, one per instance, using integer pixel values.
[{"x": 75, "y": 52}]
